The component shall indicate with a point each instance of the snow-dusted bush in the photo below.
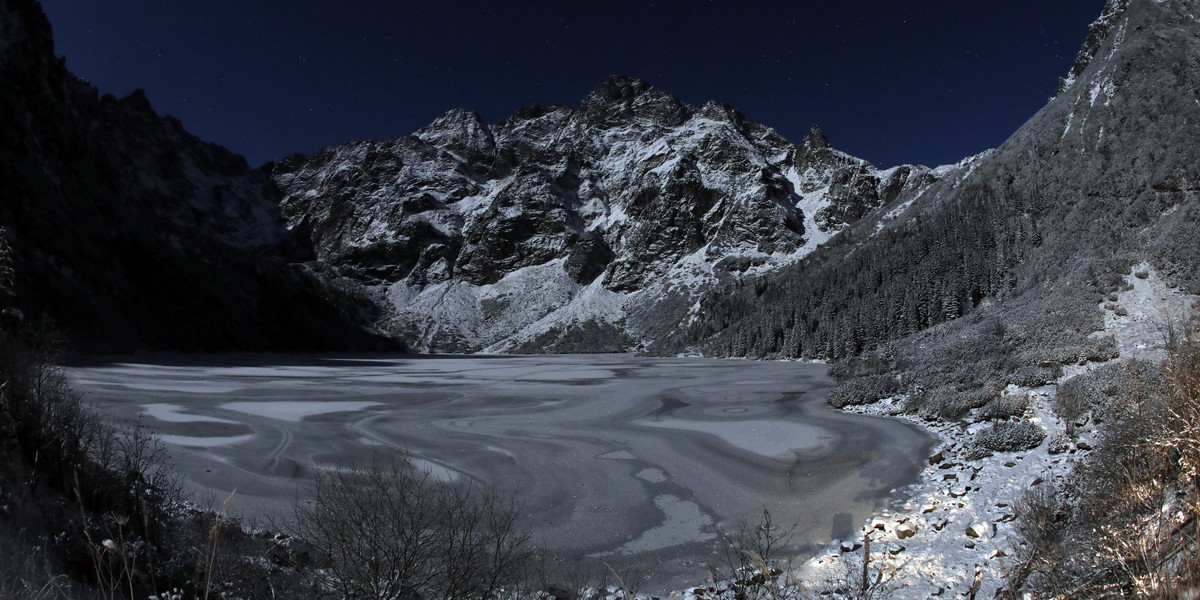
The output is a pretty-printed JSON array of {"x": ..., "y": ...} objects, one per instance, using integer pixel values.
[
  {"x": 949, "y": 403},
  {"x": 1034, "y": 376},
  {"x": 1059, "y": 443},
  {"x": 1099, "y": 389},
  {"x": 864, "y": 390},
  {"x": 1039, "y": 530},
  {"x": 1010, "y": 436},
  {"x": 1005, "y": 406}
]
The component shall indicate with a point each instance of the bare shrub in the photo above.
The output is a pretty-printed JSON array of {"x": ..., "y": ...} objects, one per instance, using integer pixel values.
[
  {"x": 391, "y": 531},
  {"x": 1145, "y": 507},
  {"x": 1152, "y": 556},
  {"x": 1072, "y": 402},
  {"x": 1134, "y": 529},
  {"x": 865, "y": 576},
  {"x": 59, "y": 444},
  {"x": 26, "y": 572},
  {"x": 1183, "y": 406},
  {"x": 748, "y": 563},
  {"x": 1039, "y": 528}
]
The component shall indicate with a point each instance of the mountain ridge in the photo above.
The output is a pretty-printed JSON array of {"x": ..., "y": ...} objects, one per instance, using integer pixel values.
[{"x": 659, "y": 192}]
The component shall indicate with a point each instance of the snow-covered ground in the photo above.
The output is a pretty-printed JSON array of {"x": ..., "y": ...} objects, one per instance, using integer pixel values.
[
  {"x": 1138, "y": 318},
  {"x": 958, "y": 520}
]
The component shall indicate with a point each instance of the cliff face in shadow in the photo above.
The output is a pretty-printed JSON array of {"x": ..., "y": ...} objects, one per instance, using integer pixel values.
[{"x": 130, "y": 233}]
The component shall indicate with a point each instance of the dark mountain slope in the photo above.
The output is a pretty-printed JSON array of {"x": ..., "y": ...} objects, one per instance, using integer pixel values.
[{"x": 131, "y": 233}]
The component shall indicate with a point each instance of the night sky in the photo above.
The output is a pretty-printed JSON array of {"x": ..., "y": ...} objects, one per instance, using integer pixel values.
[{"x": 926, "y": 82}]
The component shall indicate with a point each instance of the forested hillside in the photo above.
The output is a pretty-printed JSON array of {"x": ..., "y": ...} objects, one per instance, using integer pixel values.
[{"x": 1044, "y": 225}]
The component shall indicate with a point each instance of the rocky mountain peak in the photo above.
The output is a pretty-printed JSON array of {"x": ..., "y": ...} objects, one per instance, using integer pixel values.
[
  {"x": 23, "y": 20},
  {"x": 719, "y": 111},
  {"x": 174, "y": 242},
  {"x": 1097, "y": 32},
  {"x": 623, "y": 98},
  {"x": 26, "y": 43},
  {"x": 138, "y": 101},
  {"x": 573, "y": 219},
  {"x": 816, "y": 139},
  {"x": 460, "y": 131}
]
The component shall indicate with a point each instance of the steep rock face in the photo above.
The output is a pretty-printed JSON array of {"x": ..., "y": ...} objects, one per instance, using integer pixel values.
[
  {"x": 632, "y": 194},
  {"x": 1098, "y": 32},
  {"x": 131, "y": 233}
]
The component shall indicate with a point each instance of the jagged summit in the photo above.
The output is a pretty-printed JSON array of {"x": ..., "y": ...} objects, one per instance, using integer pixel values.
[
  {"x": 622, "y": 98},
  {"x": 620, "y": 88},
  {"x": 816, "y": 138},
  {"x": 1098, "y": 32},
  {"x": 720, "y": 111},
  {"x": 461, "y": 131}
]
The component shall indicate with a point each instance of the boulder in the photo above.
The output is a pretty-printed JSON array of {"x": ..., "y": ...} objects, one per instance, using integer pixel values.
[{"x": 979, "y": 530}]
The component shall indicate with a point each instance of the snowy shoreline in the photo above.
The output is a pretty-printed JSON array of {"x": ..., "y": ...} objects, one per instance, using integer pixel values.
[
  {"x": 956, "y": 520},
  {"x": 954, "y": 529}
]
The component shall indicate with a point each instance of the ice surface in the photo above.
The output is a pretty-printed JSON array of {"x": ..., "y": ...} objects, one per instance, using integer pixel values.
[
  {"x": 438, "y": 471},
  {"x": 652, "y": 475},
  {"x": 771, "y": 439},
  {"x": 683, "y": 523},
  {"x": 632, "y": 459},
  {"x": 295, "y": 411},
  {"x": 170, "y": 413},
  {"x": 204, "y": 441},
  {"x": 190, "y": 387}
]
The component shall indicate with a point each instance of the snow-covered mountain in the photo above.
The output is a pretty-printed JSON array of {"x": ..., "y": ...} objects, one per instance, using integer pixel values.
[{"x": 565, "y": 229}]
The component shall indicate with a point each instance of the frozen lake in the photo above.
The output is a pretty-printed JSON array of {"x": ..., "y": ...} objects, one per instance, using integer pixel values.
[{"x": 623, "y": 459}]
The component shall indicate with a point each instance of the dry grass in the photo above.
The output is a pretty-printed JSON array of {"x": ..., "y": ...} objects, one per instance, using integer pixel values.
[{"x": 1128, "y": 525}]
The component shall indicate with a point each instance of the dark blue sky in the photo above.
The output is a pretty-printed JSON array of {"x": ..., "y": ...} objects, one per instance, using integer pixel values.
[{"x": 893, "y": 82}]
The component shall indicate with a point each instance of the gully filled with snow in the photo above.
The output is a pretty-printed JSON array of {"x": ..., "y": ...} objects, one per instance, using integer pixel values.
[{"x": 626, "y": 460}]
